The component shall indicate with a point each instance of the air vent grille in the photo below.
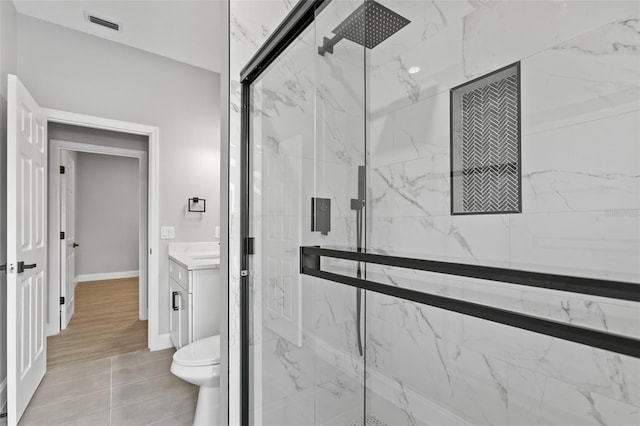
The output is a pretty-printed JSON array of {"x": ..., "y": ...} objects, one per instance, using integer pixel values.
[{"x": 104, "y": 23}]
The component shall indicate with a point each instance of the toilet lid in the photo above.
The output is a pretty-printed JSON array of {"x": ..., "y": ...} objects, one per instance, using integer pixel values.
[{"x": 201, "y": 352}]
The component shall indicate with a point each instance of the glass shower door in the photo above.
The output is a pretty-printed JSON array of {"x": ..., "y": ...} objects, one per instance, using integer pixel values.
[
  {"x": 281, "y": 359},
  {"x": 306, "y": 141}
]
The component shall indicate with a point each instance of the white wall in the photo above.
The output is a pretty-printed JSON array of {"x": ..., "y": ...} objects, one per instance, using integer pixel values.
[
  {"x": 8, "y": 65},
  {"x": 107, "y": 214},
  {"x": 73, "y": 71}
]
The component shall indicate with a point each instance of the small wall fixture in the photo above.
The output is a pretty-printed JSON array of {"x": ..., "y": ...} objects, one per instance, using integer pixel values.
[{"x": 197, "y": 204}]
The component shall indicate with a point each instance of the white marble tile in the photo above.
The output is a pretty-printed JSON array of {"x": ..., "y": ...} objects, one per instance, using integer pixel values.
[
  {"x": 409, "y": 189},
  {"x": 440, "y": 60},
  {"x": 340, "y": 138},
  {"x": 603, "y": 314},
  {"x": 338, "y": 182},
  {"x": 567, "y": 405},
  {"x": 337, "y": 392},
  {"x": 427, "y": 20},
  {"x": 504, "y": 32},
  {"x": 612, "y": 375},
  {"x": 591, "y": 166},
  {"x": 598, "y": 313},
  {"x": 526, "y": 393},
  {"x": 251, "y": 23},
  {"x": 480, "y": 388},
  {"x": 587, "y": 78},
  {"x": 479, "y": 239},
  {"x": 460, "y": 239},
  {"x": 380, "y": 140},
  {"x": 422, "y": 131},
  {"x": 595, "y": 244},
  {"x": 407, "y": 354}
]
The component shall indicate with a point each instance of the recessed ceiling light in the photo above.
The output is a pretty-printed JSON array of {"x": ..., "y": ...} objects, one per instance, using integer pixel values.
[{"x": 413, "y": 70}]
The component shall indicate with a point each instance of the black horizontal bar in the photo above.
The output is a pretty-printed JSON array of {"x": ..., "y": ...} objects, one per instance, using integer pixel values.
[
  {"x": 595, "y": 287},
  {"x": 594, "y": 338}
]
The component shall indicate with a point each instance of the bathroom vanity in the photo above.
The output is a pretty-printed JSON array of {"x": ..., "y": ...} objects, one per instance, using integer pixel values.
[{"x": 194, "y": 287}]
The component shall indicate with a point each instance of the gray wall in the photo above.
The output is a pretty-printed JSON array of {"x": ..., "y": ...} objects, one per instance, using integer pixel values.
[
  {"x": 8, "y": 65},
  {"x": 73, "y": 71},
  {"x": 71, "y": 133},
  {"x": 107, "y": 213}
]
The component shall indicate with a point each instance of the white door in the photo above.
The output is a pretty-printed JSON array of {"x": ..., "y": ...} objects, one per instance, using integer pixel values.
[
  {"x": 26, "y": 242},
  {"x": 68, "y": 244}
]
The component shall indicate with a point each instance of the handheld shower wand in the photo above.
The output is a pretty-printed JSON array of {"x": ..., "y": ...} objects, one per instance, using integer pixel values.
[{"x": 358, "y": 204}]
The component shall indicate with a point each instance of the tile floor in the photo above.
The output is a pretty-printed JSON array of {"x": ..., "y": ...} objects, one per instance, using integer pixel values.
[{"x": 132, "y": 389}]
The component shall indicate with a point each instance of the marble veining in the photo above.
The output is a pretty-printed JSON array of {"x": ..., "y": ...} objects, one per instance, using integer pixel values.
[{"x": 580, "y": 95}]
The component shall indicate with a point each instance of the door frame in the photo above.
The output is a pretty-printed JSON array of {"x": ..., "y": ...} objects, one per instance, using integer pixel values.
[
  {"x": 56, "y": 146},
  {"x": 155, "y": 339}
]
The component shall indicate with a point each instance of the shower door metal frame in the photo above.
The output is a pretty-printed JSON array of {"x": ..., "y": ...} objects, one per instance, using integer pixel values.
[{"x": 297, "y": 20}]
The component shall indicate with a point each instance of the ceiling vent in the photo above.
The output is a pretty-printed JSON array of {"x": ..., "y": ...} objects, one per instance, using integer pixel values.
[{"x": 103, "y": 22}]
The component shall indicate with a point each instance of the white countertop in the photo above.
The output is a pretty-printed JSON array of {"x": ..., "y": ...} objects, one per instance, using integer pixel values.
[
  {"x": 194, "y": 256},
  {"x": 194, "y": 261}
]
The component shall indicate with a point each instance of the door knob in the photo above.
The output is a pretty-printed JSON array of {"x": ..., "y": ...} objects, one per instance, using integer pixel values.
[
  {"x": 75, "y": 245},
  {"x": 22, "y": 266}
]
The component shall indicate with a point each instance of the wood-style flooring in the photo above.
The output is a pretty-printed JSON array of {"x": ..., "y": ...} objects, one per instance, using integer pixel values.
[{"x": 105, "y": 324}]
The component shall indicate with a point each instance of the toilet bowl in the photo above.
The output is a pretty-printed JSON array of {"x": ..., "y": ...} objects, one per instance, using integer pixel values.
[{"x": 199, "y": 363}]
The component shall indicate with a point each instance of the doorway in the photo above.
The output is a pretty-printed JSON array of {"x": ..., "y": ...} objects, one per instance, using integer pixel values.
[
  {"x": 104, "y": 164},
  {"x": 148, "y": 262},
  {"x": 98, "y": 193}
]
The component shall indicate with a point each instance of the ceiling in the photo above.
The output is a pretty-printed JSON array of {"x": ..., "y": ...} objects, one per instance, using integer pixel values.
[{"x": 188, "y": 31}]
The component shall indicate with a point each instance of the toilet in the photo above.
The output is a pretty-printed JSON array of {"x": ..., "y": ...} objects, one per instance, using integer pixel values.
[{"x": 199, "y": 363}]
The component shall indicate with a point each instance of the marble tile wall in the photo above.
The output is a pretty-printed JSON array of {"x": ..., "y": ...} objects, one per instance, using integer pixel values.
[
  {"x": 251, "y": 22},
  {"x": 581, "y": 212}
]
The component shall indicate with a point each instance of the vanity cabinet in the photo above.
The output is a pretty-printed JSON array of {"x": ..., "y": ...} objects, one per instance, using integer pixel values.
[{"x": 193, "y": 300}]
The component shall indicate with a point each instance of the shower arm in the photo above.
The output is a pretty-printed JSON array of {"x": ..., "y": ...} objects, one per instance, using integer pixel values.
[{"x": 328, "y": 43}]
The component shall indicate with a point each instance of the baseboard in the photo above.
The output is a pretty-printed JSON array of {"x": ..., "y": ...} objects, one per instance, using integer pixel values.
[
  {"x": 162, "y": 341},
  {"x": 3, "y": 395},
  {"x": 388, "y": 388},
  {"x": 106, "y": 276}
]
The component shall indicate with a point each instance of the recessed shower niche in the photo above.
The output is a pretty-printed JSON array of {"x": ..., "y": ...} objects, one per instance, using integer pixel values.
[{"x": 485, "y": 144}]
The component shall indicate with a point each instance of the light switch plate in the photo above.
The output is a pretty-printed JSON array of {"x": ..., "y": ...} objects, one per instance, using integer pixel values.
[
  {"x": 167, "y": 232},
  {"x": 217, "y": 232}
]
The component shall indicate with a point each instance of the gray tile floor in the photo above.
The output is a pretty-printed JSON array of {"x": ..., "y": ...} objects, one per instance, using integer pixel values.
[{"x": 134, "y": 389}]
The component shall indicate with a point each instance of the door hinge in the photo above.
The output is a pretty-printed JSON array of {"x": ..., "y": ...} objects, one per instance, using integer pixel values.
[
  {"x": 62, "y": 236},
  {"x": 62, "y": 300},
  {"x": 249, "y": 246},
  {"x": 62, "y": 169}
]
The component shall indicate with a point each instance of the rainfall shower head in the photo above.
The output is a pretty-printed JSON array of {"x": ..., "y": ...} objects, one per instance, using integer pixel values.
[{"x": 369, "y": 25}]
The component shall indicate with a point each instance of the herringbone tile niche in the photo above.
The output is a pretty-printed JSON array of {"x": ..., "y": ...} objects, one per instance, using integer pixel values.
[{"x": 485, "y": 144}]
